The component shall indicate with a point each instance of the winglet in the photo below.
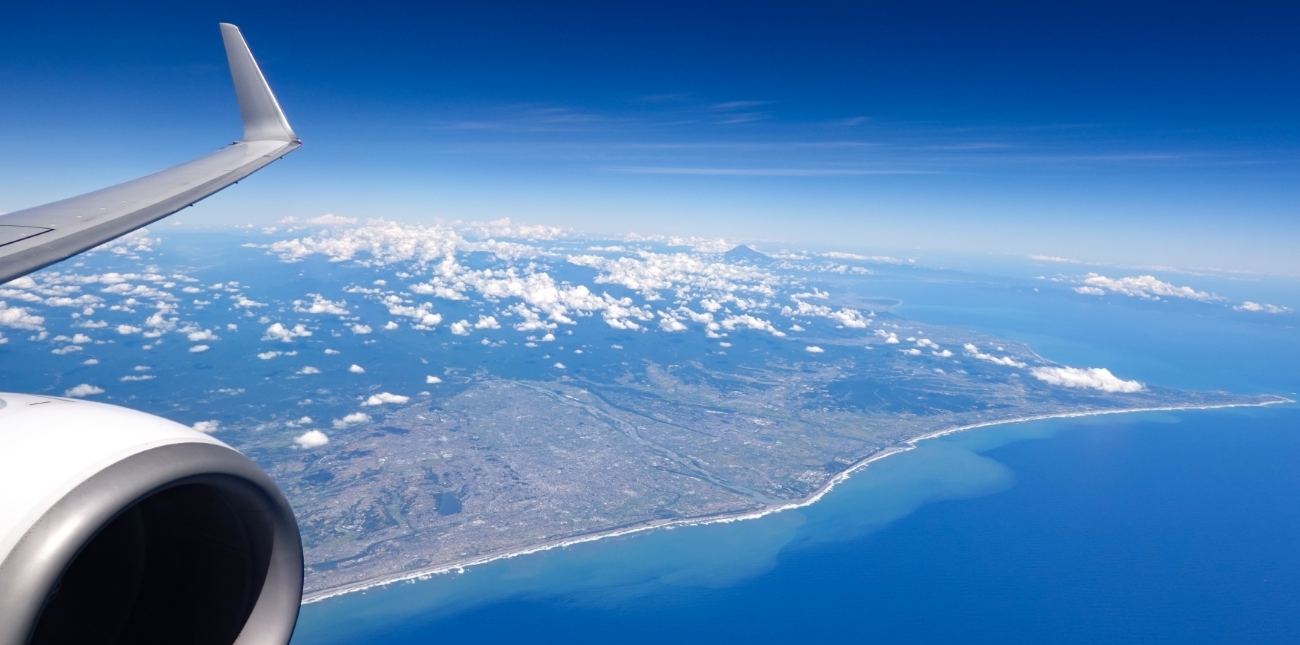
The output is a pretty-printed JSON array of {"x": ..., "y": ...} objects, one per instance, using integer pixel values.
[{"x": 263, "y": 118}]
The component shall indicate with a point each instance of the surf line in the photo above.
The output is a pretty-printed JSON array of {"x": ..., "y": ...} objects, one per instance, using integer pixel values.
[{"x": 816, "y": 496}]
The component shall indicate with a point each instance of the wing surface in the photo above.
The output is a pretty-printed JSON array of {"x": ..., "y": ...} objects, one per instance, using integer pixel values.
[{"x": 37, "y": 237}]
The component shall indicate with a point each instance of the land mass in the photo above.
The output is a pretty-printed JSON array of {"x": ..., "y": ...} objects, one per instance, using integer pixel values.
[{"x": 494, "y": 466}]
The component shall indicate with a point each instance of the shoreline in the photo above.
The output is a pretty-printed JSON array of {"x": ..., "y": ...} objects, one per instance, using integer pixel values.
[{"x": 816, "y": 496}]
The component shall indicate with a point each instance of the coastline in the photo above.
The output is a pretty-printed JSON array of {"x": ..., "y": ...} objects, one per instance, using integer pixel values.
[{"x": 910, "y": 444}]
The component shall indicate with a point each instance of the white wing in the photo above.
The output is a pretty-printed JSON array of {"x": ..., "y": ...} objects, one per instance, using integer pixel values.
[{"x": 38, "y": 237}]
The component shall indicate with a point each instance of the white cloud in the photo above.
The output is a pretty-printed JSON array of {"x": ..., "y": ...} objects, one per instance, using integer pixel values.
[
  {"x": 1090, "y": 291},
  {"x": 199, "y": 348},
  {"x": 487, "y": 322},
  {"x": 670, "y": 324},
  {"x": 385, "y": 397},
  {"x": 390, "y": 325},
  {"x": 1003, "y": 360},
  {"x": 1144, "y": 286},
  {"x": 431, "y": 380},
  {"x": 311, "y": 439},
  {"x": 1096, "y": 378},
  {"x": 25, "y": 282},
  {"x": 266, "y": 356},
  {"x": 207, "y": 426},
  {"x": 80, "y": 339},
  {"x": 329, "y": 351},
  {"x": 813, "y": 349},
  {"x": 361, "y": 330},
  {"x": 309, "y": 370},
  {"x": 206, "y": 334},
  {"x": 849, "y": 318},
  {"x": 881, "y": 259},
  {"x": 460, "y": 328},
  {"x": 1265, "y": 308},
  {"x": 67, "y": 349},
  {"x": 911, "y": 352},
  {"x": 559, "y": 366},
  {"x": 144, "y": 377},
  {"x": 1053, "y": 258},
  {"x": 85, "y": 389},
  {"x": 357, "y": 369},
  {"x": 90, "y": 361},
  {"x": 281, "y": 333},
  {"x": 351, "y": 420},
  {"x": 747, "y": 321},
  {"x": 319, "y": 305},
  {"x": 330, "y": 219},
  {"x": 127, "y": 330},
  {"x": 889, "y": 337}
]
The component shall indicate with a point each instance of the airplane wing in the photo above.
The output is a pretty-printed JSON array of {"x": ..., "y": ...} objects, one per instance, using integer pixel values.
[{"x": 37, "y": 237}]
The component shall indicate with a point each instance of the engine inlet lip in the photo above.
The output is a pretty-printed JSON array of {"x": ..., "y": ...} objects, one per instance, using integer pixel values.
[{"x": 47, "y": 549}]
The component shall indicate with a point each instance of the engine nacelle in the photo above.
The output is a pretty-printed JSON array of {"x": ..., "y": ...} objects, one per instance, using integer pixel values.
[{"x": 122, "y": 527}]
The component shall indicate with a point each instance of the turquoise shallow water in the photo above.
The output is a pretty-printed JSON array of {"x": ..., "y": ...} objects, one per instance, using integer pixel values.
[{"x": 1151, "y": 527}]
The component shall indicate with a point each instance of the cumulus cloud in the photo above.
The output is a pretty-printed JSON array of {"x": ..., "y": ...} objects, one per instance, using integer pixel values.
[
  {"x": 849, "y": 318},
  {"x": 206, "y": 334},
  {"x": 309, "y": 370},
  {"x": 813, "y": 349},
  {"x": 311, "y": 439},
  {"x": 431, "y": 380},
  {"x": 460, "y": 328},
  {"x": 974, "y": 351},
  {"x": 85, "y": 389},
  {"x": 207, "y": 426},
  {"x": 330, "y": 219},
  {"x": 127, "y": 330},
  {"x": 361, "y": 330},
  {"x": 266, "y": 356},
  {"x": 385, "y": 397},
  {"x": 144, "y": 377},
  {"x": 889, "y": 337},
  {"x": 487, "y": 322},
  {"x": 670, "y": 323},
  {"x": 747, "y": 321},
  {"x": 390, "y": 325},
  {"x": 352, "y": 419},
  {"x": 199, "y": 348},
  {"x": 357, "y": 369},
  {"x": 1264, "y": 308},
  {"x": 559, "y": 366},
  {"x": 1096, "y": 378},
  {"x": 319, "y": 305},
  {"x": 281, "y": 333},
  {"x": 90, "y": 361},
  {"x": 1143, "y": 286}
]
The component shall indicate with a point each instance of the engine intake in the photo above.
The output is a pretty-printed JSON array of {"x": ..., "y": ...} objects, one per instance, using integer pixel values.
[{"x": 126, "y": 528}]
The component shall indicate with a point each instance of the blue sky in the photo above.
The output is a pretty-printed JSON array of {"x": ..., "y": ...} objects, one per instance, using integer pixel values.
[{"x": 1132, "y": 133}]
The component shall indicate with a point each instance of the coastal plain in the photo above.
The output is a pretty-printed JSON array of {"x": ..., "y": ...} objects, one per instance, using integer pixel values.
[{"x": 505, "y": 465}]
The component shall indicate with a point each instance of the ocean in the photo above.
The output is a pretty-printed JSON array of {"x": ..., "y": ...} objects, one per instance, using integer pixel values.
[{"x": 1155, "y": 527}]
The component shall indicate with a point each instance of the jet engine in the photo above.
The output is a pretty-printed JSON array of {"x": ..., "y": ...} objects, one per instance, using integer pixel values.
[{"x": 117, "y": 526}]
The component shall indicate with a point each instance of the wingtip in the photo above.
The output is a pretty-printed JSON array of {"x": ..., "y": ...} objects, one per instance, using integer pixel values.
[{"x": 263, "y": 118}]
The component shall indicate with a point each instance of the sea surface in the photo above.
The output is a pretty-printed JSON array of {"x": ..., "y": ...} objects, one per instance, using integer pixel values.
[{"x": 1159, "y": 527}]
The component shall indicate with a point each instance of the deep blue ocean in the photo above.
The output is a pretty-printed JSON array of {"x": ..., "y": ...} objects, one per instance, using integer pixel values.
[{"x": 1151, "y": 528}]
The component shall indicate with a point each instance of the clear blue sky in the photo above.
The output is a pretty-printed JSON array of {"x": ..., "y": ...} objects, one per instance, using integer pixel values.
[{"x": 1138, "y": 133}]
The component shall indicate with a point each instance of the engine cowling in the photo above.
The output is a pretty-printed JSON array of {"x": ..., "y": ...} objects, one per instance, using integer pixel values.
[{"x": 118, "y": 526}]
